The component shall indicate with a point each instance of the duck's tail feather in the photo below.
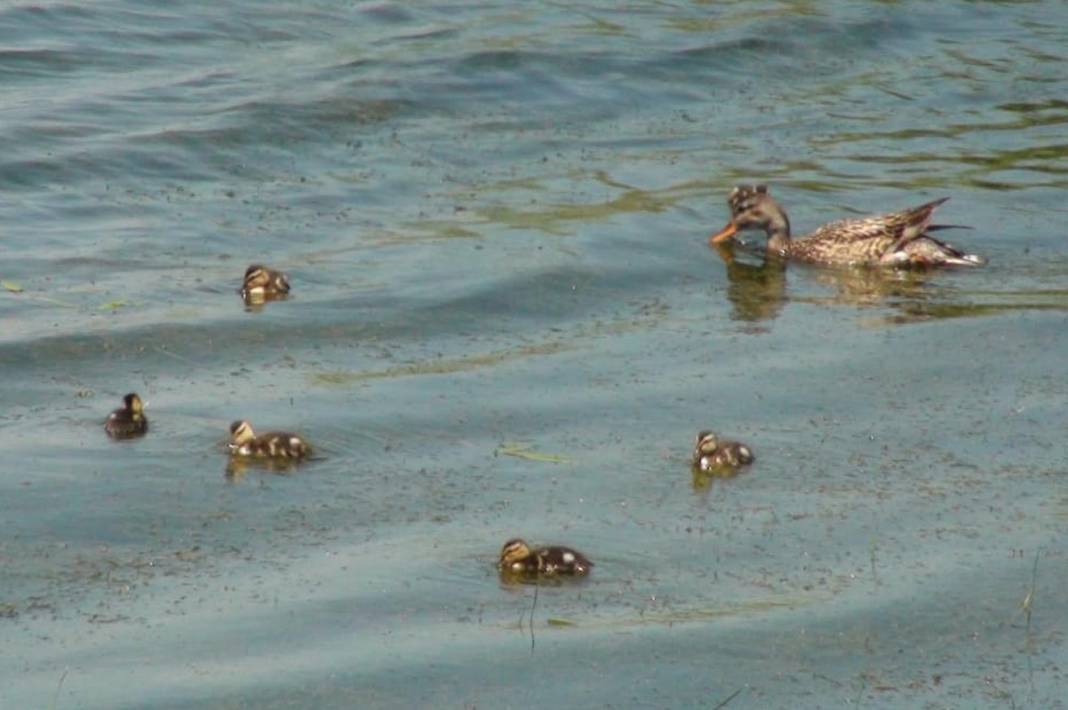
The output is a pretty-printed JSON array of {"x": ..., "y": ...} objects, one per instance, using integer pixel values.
[
  {"x": 912, "y": 223},
  {"x": 965, "y": 260},
  {"x": 928, "y": 251}
]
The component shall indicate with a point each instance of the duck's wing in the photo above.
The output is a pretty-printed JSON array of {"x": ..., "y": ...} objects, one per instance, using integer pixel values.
[
  {"x": 862, "y": 240},
  {"x": 869, "y": 239}
]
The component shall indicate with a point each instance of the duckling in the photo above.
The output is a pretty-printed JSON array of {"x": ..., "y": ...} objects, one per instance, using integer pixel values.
[
  {"x": 517, "y": 557},
  {"x": 263, "y": 284},
  {"x": 277, "y": 445},
  {"x": 714, "y": 454},
  {"x": 128, "y": 421}
]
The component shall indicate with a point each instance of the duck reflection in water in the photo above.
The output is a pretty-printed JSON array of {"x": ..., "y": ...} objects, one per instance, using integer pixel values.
[
  {"x": 757, "y": 292},
  {"x": 757, "y": 285}
]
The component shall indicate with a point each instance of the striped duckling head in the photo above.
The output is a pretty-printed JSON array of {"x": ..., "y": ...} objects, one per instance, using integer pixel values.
[{"x": 514, "y": 554}]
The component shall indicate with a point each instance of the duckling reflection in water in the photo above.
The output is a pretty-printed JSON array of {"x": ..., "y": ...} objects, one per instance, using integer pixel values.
[
  {"x": 277, "y": 446},
  {"x": 714, "y": 455},
  {"x": 263, "y": 284},
  {"x": 238, "y": 466},
  {"x": 128, "y": 421},
  {"x": 521, "y": 562}
]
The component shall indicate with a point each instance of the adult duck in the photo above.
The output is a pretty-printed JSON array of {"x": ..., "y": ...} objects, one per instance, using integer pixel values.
[{"x": 896, "y": 239}]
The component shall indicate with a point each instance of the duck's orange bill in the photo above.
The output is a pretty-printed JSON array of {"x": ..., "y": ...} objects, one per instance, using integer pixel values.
[{"x": 723, "y": 234}]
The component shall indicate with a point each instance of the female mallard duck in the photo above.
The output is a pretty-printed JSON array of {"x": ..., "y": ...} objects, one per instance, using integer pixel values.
[
  {"x": 517, "y": 557},
  {"x": 263, "y": 284},
  {"x": 275, "y": 445},
  {"x": 714, "y": 454},
  {"x": 129, "y": 420},
  {"x": 895, "y": 239}
]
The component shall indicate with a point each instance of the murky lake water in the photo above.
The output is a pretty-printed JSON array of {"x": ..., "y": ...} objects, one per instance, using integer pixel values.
[{"x": 495, "y": 221}]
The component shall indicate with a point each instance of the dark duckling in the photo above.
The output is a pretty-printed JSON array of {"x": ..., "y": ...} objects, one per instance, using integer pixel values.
[
  {"x": 128, "y": 421},
  {"x": 714, "y": 454},
  {"x": 518, "y": 558},
  {"x": 276, "y": 445},
  {"x": 263, "y": 284}
]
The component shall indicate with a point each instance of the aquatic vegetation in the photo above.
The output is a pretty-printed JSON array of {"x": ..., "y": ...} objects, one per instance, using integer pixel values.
[
  {"x": 523, "y": 451},
  {"x": 439, "y": 366}
]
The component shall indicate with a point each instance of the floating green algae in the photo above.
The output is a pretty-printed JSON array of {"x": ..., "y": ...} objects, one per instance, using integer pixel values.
[
  {"x": 440, "y": 366},
  {"x": 523, "y": 451}
]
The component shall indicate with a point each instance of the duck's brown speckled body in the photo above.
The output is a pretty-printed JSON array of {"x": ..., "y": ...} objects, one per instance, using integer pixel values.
[
  {"x": 894, "y": 239},
  {"x": 714, "y": 454},
  {"x": 263, "y": 284},
  {"x": 519, "y": 558},
  {"x": 129, "y": 420},
  {"x": 274, "y": 445}
]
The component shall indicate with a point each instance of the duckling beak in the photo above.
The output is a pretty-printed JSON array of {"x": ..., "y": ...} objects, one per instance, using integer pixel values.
[{"x": 723, "y": 234}]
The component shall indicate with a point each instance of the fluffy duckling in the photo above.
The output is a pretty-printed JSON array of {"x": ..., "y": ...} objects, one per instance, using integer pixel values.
[
  {"x": 276, "y": 445},
  {"x": 128, "y": 421},
  {"x": 517, "y": 557},
  {"x": 714, "y": 454},
  {"x": 263, "y": 284}
]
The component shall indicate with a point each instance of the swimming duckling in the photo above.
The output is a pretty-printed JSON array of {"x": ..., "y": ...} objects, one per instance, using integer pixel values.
[
  {"x": 128, "y": 421},
  {"x": 517, "y": 557},
  {"x": 278, "y": 445},
  {"x": 714, "y": 454},
  {"x": 263, "y": 284}
]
